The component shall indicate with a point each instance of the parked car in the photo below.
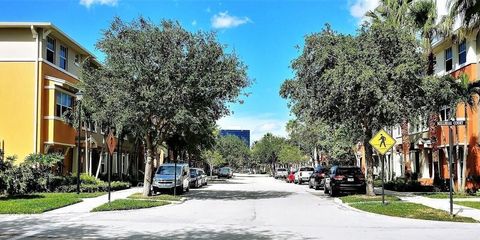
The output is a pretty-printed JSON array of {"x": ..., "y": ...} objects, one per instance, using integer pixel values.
[
  {"x": 281, "y": 173},
  {"x": 165, "y": 178},
  {"x": 317, "y": 179},
  {"x": 303, "y": 174},
  {"x": 198, "y": 178},
  {"x": 225, "y": 172},
  {"x": 344, "y": 179},
  {"x": 291, "y": 176}
]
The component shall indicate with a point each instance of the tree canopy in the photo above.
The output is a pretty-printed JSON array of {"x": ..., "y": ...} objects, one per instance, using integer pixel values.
[{"x": 161, "y": 82}]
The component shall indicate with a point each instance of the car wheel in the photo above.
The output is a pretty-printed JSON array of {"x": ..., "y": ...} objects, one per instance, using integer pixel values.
[
  {"x": 180, "y": 189},
  {"x": 317, "y": 187},
  {"x": 333, "y": 193}
]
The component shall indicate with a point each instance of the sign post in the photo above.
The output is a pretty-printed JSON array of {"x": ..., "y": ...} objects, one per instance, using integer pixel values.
[
  {"x": 382, "y": 142},
  {"x": 450, "y": 155},
  {"x": 111, "y": 144}
]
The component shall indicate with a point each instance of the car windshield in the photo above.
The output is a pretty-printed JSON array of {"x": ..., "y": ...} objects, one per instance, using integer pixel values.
[
  {"x": 193, "y": 172},
  {"x": 348, "y": 171},
  {"x": 225, "y": 170},
  {"x": 168, "y": 170},
  {"x": 306, "y": 169}
]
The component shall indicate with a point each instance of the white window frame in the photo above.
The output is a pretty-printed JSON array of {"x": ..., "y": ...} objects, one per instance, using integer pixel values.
[
  {"x": 54, "y": 42},
  {"x": 449, "y": 59},
  {"x": 460, "y": 52},
  {"x": 62, "y": 106},
  {"x": 64, "y": 58}
]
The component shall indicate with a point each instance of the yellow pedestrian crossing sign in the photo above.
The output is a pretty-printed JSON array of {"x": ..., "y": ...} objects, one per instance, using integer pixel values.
[{"x": 382, "y": 142}]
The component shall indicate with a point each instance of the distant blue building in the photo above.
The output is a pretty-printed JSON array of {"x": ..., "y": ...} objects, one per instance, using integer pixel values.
[{"x": 242, "y": 134}]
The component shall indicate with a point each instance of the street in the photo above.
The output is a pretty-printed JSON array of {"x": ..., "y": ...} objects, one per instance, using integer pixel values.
[{"x": 245, "y": 207}]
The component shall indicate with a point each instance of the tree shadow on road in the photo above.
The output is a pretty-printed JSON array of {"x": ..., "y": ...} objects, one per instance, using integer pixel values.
[
  {"x": 58, "y": 228},
  {"x": 235, "y": 195}
]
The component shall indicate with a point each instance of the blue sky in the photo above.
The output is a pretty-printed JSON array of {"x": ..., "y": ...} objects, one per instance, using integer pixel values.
[{"x": 263, "y": 33}]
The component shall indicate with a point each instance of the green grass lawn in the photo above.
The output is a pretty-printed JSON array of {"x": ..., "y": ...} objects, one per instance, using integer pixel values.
[
  {"x": 409, "y": 210},
  {"x": 443, "y": 195},
  {"x": 162, "y": 197},
  {"x": 128, "y": 204},
  {"x": 41, "y": 202},
  {"x": 469, "y": 204},
  {"x": 365, "y": 198}
]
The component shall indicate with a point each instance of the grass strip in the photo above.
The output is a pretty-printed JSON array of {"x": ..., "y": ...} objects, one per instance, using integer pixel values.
[
  {"x": 129, "y": 204},
  {"x": 365, "y": 198},
  {"x": 410, "y": 210},
  {"x": 469, "y": 204},
  {"x": 41, "y": 202},
  {"x": 446, "y": 195},
  {"x": 161, "y": 197}
]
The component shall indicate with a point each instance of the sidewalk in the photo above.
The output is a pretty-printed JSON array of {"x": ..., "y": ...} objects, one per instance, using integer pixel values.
[
  {"x": 442, "y": 204},
  {"x": 90, "y": 203}
]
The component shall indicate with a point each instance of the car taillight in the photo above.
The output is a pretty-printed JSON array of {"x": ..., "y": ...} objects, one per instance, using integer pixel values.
[
  {"x": 339, "y": 177},
  {"x": 361, "y": 177},
  {"x": 322, "y": 175}
]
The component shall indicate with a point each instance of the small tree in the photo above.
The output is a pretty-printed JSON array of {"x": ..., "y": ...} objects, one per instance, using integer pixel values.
[
  {"x": 213, "y": 159},
  {"x": 290, "y": 154},
  {"x": 267, "y": 150},
  {"x": 233, "y": 150}
]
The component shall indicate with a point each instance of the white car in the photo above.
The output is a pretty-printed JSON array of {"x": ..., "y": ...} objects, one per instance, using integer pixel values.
[
  {"x": 281, "y": 173},
  {"x": 303, "y": 175}
]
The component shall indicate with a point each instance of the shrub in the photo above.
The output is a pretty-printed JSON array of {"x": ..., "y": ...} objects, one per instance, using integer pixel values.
[
  {"x": 402, "y": 185},
  {"x": 89, "y": 179}
]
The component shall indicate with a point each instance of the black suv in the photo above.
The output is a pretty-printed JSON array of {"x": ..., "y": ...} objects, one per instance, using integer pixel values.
[
  {"x": 317, "y": 179},
  {"x": 344, "y": 179}
]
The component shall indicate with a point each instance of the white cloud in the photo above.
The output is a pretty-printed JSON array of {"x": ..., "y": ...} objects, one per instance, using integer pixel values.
[
  {"x": 258, "y": 125},
  {"x": 360, "y": 7},
  {"x": 224, "y": 20},
  {"x": 88, "y": 3}
]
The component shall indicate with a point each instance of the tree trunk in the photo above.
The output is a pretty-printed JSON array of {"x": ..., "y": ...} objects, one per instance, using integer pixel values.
[
  {"x": 432, "y": 129},
  {"x": 406, "y": 148},
  {"x": 147, "y": 182},
  {"x": 456, "y": 158},
  {"x": 368, "y": 160},
  {"x": 465, "y": 154}
]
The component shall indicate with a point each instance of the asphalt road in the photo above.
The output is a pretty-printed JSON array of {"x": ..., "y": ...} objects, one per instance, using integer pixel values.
[{"x": 246, "y": 207}]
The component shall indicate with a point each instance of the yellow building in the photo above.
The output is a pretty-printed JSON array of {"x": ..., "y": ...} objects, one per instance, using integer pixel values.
[{"x": 39, "y": 70}]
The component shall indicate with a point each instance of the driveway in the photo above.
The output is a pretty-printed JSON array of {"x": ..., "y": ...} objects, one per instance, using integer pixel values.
[{"x": 246, "y": 207}]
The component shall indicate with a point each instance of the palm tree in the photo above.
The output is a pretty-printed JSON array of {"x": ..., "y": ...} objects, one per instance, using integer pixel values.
[
  {"x": 467, "y": 93},
  {"x": 469, "y": 13}
]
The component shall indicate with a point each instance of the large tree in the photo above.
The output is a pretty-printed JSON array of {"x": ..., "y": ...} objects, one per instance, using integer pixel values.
[
  {"x": 234, "y": 150},
  {"x": 267, "y": 150},
  {"x": 367, "y": 81},
  {"x": 157, "y": 78}
]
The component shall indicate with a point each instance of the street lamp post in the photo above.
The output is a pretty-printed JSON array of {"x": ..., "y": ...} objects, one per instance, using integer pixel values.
[{"x": 79, "y": 96}]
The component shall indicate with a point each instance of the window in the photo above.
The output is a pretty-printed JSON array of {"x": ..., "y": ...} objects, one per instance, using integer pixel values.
[
  {"x": 448, "y": 59},
  {"x": 63, "y": 104},
  {"x": 462, "y": 52},
  {"x": 63, "y": 57},
  {"x": 445, "y": 114},
  {"x": 50, "y": 49}
]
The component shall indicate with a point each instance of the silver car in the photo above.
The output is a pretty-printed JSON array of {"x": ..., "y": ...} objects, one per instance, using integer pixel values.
[{"x": 165, "y": 178}]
